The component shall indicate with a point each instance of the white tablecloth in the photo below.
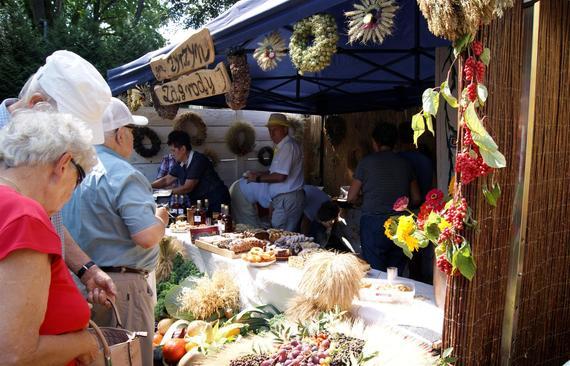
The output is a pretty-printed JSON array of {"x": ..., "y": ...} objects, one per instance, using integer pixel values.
[{"x": 278, "y": 283}]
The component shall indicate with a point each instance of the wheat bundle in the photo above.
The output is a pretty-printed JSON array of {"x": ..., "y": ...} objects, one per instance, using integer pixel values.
[
  {"x": 330, "y": 280},
  {"x": 168, "y": 249},
  {"x": 211, "y": 296}
]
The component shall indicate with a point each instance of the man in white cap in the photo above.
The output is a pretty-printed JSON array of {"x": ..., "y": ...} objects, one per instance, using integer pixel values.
[
  {"x": 113, "y": 216},
  {"x": 70, "y": 84},
  {"x": 285, "y": 176}
]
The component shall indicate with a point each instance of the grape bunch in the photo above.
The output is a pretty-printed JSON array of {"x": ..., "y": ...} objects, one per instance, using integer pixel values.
[
  {"x": 477, "y": 48},
  {"x": 300, "y": 353}
]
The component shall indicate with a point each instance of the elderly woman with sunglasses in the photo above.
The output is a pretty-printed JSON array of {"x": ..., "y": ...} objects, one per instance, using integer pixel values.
[{"x": 43, "y": 157}]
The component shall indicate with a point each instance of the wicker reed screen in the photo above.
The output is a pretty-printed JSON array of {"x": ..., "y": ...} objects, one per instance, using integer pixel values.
[
  {"x": 474, "y": 310},
  {"x": 543, "y": 336}
]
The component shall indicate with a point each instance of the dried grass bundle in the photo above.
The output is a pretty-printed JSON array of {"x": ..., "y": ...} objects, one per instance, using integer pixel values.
[
  {"x": 453, "y": 19},
  {"x": 211, "y": 296},
  {"x": 168, "y": 249},
  {"x": 329, "y": 280}
]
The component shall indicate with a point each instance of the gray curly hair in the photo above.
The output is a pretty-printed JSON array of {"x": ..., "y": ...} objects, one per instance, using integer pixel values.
[{"x": 39, "y": 137}]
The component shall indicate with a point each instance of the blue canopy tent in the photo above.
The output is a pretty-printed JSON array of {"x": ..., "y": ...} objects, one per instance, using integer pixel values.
[{"x": 360, "y": 78}]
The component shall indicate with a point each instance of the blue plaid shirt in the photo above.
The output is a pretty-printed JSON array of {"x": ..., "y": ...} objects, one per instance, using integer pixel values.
[
  {"x": 56, "y": 219},
  {"x": 166, "y": 165}
]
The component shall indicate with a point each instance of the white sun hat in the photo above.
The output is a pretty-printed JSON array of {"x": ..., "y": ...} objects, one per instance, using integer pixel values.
[
  {"x": 77, "y": 88},
  {"x": 118, "y": 115}
]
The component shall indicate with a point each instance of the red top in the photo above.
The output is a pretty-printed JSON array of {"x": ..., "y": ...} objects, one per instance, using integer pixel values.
[{"x": 24, "y": 224}]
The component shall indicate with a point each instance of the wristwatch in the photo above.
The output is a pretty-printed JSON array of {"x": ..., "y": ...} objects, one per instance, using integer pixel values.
[{"x": 84, "y": 268}]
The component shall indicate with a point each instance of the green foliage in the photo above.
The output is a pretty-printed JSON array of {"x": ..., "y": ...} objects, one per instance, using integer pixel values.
[
  {"x": 446, "y": 358},
  {"x": 463, "y": 260},
  {"x": 487, "y": 146},
  {"x": 195, "y": 14},
  {"x": 107, "y": 34}
]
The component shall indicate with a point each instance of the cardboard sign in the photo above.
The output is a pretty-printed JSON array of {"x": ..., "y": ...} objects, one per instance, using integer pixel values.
[
  {"x": 198, "y": 232},
  {"x": 194, "y": 53},
  {"x": 198, "y": 85}
]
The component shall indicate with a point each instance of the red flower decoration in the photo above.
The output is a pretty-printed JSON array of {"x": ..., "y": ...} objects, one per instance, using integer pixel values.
[
  {"x": 401, "y": 204},
  {"x": 434, "y": 195}
]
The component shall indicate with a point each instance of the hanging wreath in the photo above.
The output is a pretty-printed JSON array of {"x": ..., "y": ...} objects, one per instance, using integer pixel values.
[
  {"x": 236, "y": 98},
  {"x": 313, "y": 56},
  {"x": 139, "y": 135},
  {"x": 335, "y": 129},
  {"x": 372, "y": 20},
  {"x": 193, "y": 125},
  {"x": 296, "y": 128},
  {"x": 164, "y": 111},
  {"x": 240, "y": 138},
  {"x": 270, "y": 51},
  {"x": 265, "y": 156}
]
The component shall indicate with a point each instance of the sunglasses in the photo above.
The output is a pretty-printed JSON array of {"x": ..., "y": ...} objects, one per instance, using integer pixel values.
[{"x": 80, "y": 173}]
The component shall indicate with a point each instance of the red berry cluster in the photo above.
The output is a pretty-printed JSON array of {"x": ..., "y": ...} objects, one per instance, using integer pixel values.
[
  {"x": 467, "y": 137},
  {"x": 445, "y": 236},
  {"x": 456, "y": 213},
  {"x": 477, "y": 48},
  {"x": 474, "y": 70},
  {"x": 443, "y": 265},
  {"x": 470, "y": 165}
]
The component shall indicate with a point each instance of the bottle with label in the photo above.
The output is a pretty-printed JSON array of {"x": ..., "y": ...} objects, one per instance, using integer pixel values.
[
  {"x": 190, "y": 212},
  {"x": 181, "y": 205},
  {"x": 203, "y": 215},
  {"x": 171, "y": 209},
  {"x": 227, "y": 220},
  {"x": 208, "y": 219},
  {"x": 197, "y": 214}
]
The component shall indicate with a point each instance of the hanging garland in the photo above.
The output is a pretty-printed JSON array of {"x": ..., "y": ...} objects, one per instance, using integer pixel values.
[
  {"x": 236, "y": 98},
  {"x": 240, "y": 138},
  {"x": 372, "y": 20},
  {"x": 193, "y": 125},
  {"x": 270, "y": 51},
  {"x": 164, "y": 111},
  {"x": 335, "y": 129},
  {"x": 265, "y": 156},
  {"x": 313, "y": 56},
  {"x": 139, "y": 135}
]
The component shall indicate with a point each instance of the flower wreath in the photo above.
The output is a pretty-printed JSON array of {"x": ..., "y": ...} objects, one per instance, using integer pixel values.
[
  {"x": 236, "y": 98},
  {"x": 265, "y": 156},
  {"x": 315, "y": 56},
  {"x": 371, "y": 20},
  {"x": 193, "y": 125},
  {"x": 139, "y": 135},
  {"x": 240, "y": 138},
  {"x": 270, "y": 51}
]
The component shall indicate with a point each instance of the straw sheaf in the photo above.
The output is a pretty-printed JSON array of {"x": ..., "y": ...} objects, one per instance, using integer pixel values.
[
  {"x": 168, "y": 249},
  {"x": 211, "y": 296},
  {"x": 453, "y": 19},
  {"x": 193, "y": 125},
  {"x": 329, "y": 280}
]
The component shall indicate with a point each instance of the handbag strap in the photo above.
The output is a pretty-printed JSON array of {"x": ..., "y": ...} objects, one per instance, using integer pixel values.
[
  {"x": 116, "y": 312},
  {"x": 103, "y": 342}
]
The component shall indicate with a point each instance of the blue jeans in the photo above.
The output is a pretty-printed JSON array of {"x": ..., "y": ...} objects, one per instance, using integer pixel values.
[{"x": 379, "y": 251}]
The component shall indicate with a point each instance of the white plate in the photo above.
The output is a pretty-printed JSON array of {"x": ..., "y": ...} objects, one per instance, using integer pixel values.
[
  {"x": 260, "y": 264},
  {"x": 162, "y": 192}
]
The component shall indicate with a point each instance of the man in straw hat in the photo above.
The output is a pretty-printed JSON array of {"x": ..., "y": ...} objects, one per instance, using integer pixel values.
[
  {"x": 124, "y": 237},
  {"x": 285, "y": 176},
  {"x": 69, "y": 84}
]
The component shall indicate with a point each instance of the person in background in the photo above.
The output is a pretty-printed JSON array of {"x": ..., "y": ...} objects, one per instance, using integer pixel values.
[
  {"x": 322, "y": 226},
  {"x": 421, "y": 265},
  {"x": 71, "y": 85},
  {"x": 195, "y": 174},
  {"x": 114, "y": 218},
  {"x": 314, "y": 198},
  {"x": 285, "y": 176},
  {"x": 245, "y": 198},
  {"x": 167, "y": 164},
  {"x": 382, "y": 177},
  {"x": 43, "y": 157}
]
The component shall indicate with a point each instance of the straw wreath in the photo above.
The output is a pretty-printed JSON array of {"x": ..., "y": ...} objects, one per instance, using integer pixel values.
[
  {"x": 240, "y": 138},
  {"x": 193, "y": 125}
]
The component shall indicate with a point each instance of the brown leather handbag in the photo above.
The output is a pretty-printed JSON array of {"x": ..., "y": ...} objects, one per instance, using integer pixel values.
[{"x": 121, "y": 347}]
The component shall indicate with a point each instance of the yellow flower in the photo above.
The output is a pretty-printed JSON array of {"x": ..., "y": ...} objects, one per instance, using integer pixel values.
[
  {"x": 387, "y": 225},
  {"x": 406, "y": 227},
  {"x": 443, "y": 225}
]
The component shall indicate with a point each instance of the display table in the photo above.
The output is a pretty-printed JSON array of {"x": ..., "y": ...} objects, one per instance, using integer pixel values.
[{"x": 278, "y": 283}]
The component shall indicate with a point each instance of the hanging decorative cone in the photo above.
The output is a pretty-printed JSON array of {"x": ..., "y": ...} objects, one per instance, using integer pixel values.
[
  {"x": 193, "y": 124},
  {"x": 236, "y": 98},
  {"x": 164, "y": 111}
]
